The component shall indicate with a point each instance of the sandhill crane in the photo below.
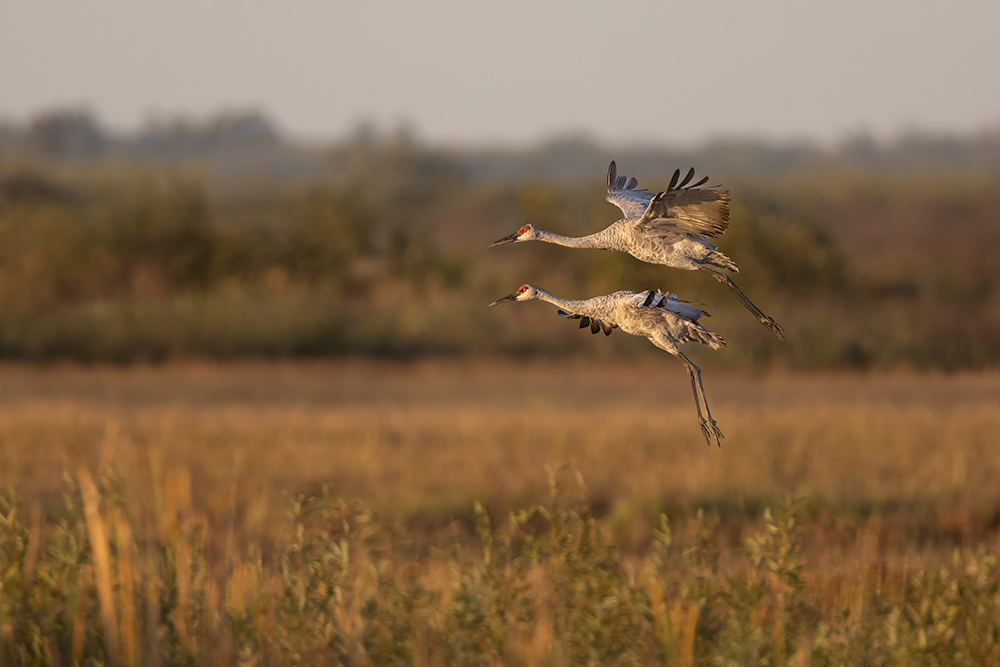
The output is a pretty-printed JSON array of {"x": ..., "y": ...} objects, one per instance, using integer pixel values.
[
  {"x": 662, "y": 318},
  {"x": 667, "y": 228}
]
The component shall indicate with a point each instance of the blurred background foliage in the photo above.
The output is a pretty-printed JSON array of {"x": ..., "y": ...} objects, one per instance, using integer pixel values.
[{"x": 221, "y": 239}]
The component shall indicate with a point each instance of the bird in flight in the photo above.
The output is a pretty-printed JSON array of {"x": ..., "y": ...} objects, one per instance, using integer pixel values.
[
  {"x": 671, "y": 227},
  {"x": 664, "y": 319}
]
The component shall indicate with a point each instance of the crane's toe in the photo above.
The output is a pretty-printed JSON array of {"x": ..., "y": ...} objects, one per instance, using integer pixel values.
[
  {"x": 774, "y": 327},
  {"x": 706, "y": 432},
  {"x": 717, "y": 432},
  {"x": 710, "y": 430}
]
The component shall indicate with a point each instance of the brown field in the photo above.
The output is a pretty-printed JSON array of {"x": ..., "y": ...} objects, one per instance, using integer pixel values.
[
  {"x": 422, "y": 441},
  {"x": 895, "y": 476}
]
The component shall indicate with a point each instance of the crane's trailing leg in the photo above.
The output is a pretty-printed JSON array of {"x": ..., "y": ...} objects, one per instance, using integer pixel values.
[
  {"x": 745, "y": 300},
  {"x": 709, "y": 427}
]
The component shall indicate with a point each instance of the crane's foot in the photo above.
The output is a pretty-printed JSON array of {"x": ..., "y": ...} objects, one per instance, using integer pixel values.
[
  {"x": 773, "y": 326},
  {"x": 710, "y": 429}
]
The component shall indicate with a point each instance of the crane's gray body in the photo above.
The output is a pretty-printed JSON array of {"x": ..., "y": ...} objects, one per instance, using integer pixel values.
[
  {"x": 668, "y": 228},
  {"x": 666, "y": 321},
  {"x": 680, "y": 250}
]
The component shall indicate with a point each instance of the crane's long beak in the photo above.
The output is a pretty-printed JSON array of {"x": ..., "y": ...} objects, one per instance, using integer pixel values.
[
  {"x": 506, "y": 239},
  {"x": 509, "y": 297}
]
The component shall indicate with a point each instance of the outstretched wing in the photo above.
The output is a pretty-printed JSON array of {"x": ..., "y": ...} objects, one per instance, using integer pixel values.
[
  {"x": 687, "y": 208},
  {"x": 622, "y": 193},
  {"x": 594, "y": 324}
]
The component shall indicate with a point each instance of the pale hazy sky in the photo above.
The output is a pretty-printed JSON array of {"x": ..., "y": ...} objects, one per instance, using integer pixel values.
[{"x": 516, "y": 71}]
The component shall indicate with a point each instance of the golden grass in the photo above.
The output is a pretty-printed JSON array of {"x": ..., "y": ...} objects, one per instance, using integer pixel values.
[
  {"x": 423, "y": 441},
  {"x": 192, "y": 544},
  {"x": 101, "y": 555}
]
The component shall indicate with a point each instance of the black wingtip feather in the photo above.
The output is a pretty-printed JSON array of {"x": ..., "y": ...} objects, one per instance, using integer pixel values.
[
  {"x": 687, "y": 178},
  {"x": 595, "y": 326},
  {"x": 699, "y": 183},
  {"x": 631, "y": 183},
  {"x": 673, "y": 179},
  {"x": 612, "y": 173},
  {"x": 649, "y": 299}
]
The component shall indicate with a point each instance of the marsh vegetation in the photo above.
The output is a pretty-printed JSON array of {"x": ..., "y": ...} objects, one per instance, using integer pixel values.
[{"x": 543, "y": 513}]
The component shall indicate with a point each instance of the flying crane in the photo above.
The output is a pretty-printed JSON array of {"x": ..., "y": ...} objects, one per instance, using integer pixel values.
[{"x": 664, "y": 319}]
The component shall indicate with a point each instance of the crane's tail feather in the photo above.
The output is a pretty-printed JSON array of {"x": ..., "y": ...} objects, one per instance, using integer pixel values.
[
  {"x": 713, "y": 340},
  {"x": 695, "y": 333},
  {"x": 722, "y": 260}
]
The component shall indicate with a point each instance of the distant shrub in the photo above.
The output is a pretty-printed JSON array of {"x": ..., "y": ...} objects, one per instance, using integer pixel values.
[{"x": 390, "y": 259}]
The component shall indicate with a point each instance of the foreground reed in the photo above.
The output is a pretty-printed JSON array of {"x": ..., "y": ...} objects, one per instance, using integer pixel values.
[{"x": 151, "y": 583}]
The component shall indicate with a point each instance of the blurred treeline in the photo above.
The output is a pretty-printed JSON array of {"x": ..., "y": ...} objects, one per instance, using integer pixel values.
[{"x": 222, "y": 239}]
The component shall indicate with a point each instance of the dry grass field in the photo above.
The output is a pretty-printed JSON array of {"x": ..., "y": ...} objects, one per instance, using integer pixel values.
[
  {"x": 430, "y": 438},
  {"x": 849, "y": 495}
]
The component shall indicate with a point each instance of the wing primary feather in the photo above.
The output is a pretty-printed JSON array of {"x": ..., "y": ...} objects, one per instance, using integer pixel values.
[
  {"x": 607, "y": 328},
  {"x": 699, "y": 183},
  {"x": 612, "y": 173},
  {"x": 687, "y": 178},
  {"x": 584, "y": 321},
  {"x": 595, "y": 326},
  {"x": 673, "y": 179},
  {"x": 620, "y": 183},
  {"x": 632, "y": 182},
  {"x": 649, "y": 299}
]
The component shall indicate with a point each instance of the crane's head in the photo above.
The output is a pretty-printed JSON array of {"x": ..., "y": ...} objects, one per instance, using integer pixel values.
[
  {"x": 525, "y": 233},
  {"x": 523, "y": 293}
]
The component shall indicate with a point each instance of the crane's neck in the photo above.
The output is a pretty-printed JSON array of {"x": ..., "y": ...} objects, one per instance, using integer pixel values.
[
  {"x": 578, "y": 306},
  {"x": 599, "y": 240}
]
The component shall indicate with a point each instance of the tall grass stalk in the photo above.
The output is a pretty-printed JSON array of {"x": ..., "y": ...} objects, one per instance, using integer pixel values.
[{"x": 101, "y": 562}]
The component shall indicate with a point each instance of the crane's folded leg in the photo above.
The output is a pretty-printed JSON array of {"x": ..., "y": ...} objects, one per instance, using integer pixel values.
[
  {"x": 709, "y": 427},
  {"x": 745, "y": 300}
]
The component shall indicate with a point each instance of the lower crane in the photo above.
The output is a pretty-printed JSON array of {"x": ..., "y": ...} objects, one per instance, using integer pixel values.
[{"x": 664, "y": 319}]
